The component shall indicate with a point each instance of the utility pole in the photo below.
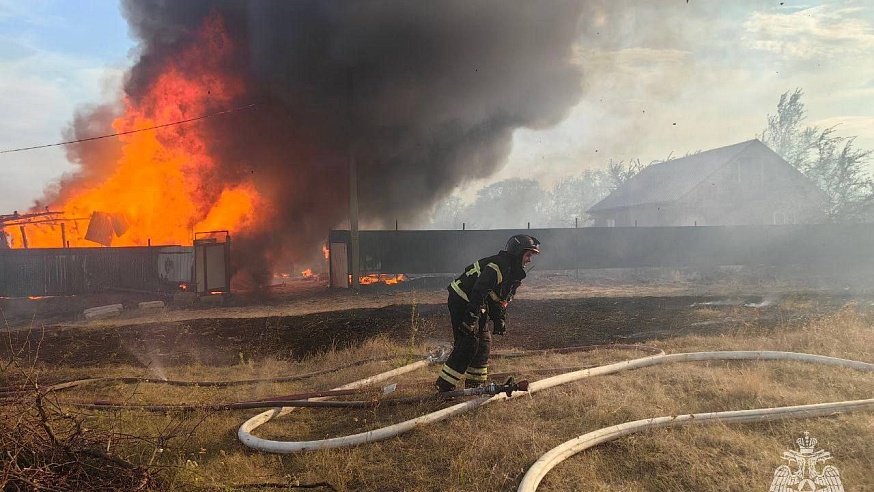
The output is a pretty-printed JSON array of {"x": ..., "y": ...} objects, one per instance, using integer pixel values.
[
  {"x": 353, "y": 218},
  {"x": 353, "y": 185}
]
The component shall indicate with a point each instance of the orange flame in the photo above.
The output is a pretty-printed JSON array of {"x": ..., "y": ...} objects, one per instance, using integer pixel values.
[
  {"x": 307, "y": 273},
  {"x": 160, "y": 186},
  {"x": 375, "y": 278}
]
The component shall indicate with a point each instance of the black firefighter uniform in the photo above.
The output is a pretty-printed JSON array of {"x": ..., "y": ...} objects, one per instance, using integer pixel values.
[{"x": 481, "y": 293}]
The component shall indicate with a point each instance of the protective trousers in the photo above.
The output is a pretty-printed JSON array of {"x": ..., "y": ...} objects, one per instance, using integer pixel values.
[{"x": 469, "y": 358}]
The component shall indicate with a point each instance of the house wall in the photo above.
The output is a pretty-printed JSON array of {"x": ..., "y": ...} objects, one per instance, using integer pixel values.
[{"x": 762, "y": 190}]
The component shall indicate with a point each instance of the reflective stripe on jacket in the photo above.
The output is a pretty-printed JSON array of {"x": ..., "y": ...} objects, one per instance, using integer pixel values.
[{"x": 489, "y": 283}]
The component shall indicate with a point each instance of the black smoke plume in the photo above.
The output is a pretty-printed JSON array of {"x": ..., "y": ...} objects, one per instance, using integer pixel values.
[{"x": 424, "y": 94}]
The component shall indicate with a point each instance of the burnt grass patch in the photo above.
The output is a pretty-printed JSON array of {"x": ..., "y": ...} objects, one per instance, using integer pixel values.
[{"x": 533, "y": 324}]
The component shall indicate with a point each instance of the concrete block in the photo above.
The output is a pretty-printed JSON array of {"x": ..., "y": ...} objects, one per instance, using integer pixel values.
[
  {"x": 152, "y": 305},
  {"x": 117, "y": 307},
  {"x": 103, "y": 312}
]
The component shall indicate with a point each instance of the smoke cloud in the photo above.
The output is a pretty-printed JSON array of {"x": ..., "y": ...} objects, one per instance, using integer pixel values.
[{"x": 424, "y": 95}]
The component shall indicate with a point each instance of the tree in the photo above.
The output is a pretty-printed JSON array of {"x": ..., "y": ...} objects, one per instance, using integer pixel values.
[
  {"x": 570, "y": 198},
  {"x": 830, "y": 161},
  {"x": 837, "y": 167},
  {"x": 508, "y": 204},
  {"x": 618, "y": 173},
  {"x": 784, "y": 133},
  {"x": 448, "y": 214}
]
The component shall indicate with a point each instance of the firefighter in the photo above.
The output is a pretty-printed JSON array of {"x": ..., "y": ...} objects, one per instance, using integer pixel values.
[{"x": 478, "y": 295}]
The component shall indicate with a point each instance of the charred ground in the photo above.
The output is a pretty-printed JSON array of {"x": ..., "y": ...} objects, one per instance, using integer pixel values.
[{"x": 297, "y": 323}]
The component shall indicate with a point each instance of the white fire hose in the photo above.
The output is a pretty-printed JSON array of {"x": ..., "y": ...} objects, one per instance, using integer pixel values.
[
  {"x": 553, "y": 457},
  {"x": 558, "y": 454},
  {"x": 549, "y": 460}
]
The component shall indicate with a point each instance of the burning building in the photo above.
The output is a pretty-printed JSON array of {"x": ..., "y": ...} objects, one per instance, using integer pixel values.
[{"x": 245, "y": 116}]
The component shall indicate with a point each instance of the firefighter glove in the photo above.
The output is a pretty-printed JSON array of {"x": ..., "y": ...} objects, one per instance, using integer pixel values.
[
  {"x": 470, "y": 322},
  {"x": 499, "y": 327}
]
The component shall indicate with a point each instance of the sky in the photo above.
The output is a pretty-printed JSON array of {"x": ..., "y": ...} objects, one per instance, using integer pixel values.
[
  {"x": 660, "y": 79},
  {"x": 707, "y": 76},
  {"x": 55, "y": 56}
]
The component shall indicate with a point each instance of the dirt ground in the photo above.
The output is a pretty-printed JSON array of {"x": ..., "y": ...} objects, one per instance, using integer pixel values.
[{"x": 301, "y": 318}]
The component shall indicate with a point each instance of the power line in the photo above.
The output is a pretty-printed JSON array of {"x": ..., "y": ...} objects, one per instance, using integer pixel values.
[{"x": 189, "y": 120}]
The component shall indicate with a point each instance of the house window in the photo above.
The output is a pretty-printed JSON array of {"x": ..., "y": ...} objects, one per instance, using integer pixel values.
[{"x": 611, "y": 222}]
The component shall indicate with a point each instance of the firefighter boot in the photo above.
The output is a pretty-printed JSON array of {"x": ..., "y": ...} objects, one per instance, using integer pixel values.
[{"x": 443, "y": 385}]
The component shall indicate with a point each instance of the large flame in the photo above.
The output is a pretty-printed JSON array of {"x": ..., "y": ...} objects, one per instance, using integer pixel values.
[{"x": 160, "y": 187}]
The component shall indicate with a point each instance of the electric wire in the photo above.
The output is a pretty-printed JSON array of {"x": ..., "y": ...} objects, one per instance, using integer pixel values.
[{"x": 128, "y": 132}]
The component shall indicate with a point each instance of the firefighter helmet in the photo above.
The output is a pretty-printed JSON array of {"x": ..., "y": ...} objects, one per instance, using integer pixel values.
[{"x": 520, "y": 243}]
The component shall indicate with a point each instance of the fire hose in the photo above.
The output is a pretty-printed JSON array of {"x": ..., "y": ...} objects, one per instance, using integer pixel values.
[
  {"x": 281, "y": 406},
  {"x": 310, "y": 399},
  {"x": 549, "y": 460},
  {"x": 556, "y": 455},
  {"x": 543, "y": 465}
]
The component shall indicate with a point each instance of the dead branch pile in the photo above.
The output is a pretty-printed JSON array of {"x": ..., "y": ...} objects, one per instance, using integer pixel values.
[{"x": 46, "y": 449}]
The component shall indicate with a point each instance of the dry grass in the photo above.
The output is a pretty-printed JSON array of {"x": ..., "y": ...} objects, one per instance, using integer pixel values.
[{"x": 489, "y": 449}]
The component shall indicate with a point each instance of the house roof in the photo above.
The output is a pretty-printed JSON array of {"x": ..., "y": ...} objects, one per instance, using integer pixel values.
[{"x": 671, "y": 180}]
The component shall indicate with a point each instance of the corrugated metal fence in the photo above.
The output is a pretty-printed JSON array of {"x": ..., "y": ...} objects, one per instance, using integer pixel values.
[
  {"x": 45, "y": 272},
  {"x": 818, "y": 248}
]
